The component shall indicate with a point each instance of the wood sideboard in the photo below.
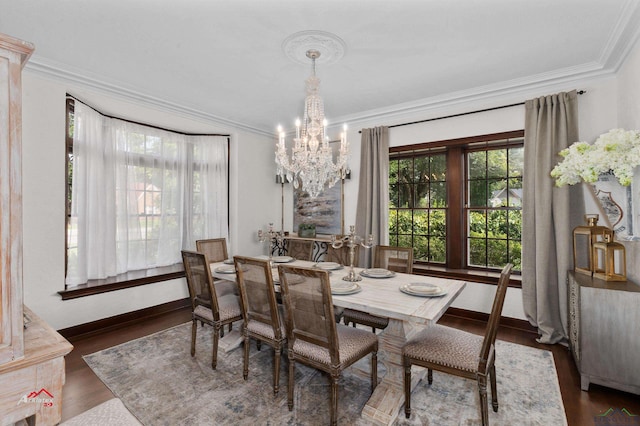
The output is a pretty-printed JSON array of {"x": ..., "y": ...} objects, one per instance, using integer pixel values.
[{"x": 603, "y": 337}]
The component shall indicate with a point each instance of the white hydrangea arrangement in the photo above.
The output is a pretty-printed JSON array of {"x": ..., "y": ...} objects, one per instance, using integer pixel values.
[{"x": 617, "y": 150}]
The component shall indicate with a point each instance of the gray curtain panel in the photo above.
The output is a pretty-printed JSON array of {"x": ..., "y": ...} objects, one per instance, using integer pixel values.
[
  {"x": 372, "y": 216},
  {"x": 549, "y": 214}
]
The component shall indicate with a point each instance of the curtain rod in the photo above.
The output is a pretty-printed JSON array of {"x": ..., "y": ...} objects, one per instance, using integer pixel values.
[
  {"x": 143, "y": 124},
  {"x": 579, "y": 92}
]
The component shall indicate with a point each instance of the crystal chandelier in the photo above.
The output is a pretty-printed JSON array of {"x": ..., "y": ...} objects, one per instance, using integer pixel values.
[{"x": 311, "y": 166}]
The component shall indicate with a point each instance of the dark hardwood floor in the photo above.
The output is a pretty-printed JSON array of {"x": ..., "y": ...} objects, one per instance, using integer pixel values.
[{"x": 84, "y": 390}]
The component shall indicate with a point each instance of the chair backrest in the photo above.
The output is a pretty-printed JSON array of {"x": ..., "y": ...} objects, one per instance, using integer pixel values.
[
  {"x": 214, "y": 248},
  {"x": 257, "y": 292},
  {"x": 300, "y": 249},
  {"x": 494, "y": 318},
  {"x": 306, "y": 294},
  {"x": 398, "y": 259},
  {"x": 200, "y": 281},
  {"x": 341, "y": 255}
]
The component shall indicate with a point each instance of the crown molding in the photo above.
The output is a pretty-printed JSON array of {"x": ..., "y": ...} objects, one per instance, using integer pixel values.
[
  {"x": 61, "y": 73},
  {"x": 555, "y": 80},
  {"x": 623, "y": 37}
]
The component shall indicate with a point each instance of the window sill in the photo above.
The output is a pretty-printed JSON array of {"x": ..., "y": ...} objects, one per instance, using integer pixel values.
[
  {"x": 484, "y": 277},
  {"x": 122, "y": 281}
]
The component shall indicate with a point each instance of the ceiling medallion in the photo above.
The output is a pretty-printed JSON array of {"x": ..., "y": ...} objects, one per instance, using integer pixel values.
[{"x": 331, "y": 47}]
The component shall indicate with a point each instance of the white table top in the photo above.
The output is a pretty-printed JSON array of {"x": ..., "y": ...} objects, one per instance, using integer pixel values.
[{"x": 382, "y": 296}]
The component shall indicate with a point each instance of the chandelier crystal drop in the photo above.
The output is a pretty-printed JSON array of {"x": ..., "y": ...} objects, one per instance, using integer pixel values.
[{"x": 311, "y": 166}]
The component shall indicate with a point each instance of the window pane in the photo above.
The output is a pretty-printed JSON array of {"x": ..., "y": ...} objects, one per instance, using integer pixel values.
[
  {"x": 405, "y": 222},
  {"x": 497, "y": 163},
  {"x": 438, "y": 168},
  {"x": 420, "y": 248},
  {"x": 497, "y": 223},
  {"x": 393, "y": 196},
  {"x": 393, "y": 171},
  {"x": 438, "y": 194},
  {"x": 393, "y": 222},
  {"x": 515, "y": 225},
  {"x": 438, "y": 249},
  {"x": 420, "y": 222},
  {"x": 405, "y": 195},
  {"x": 405, "y": 170},
  {"x": 477, "y": 252},
  {"x": 421, "y": 169},
  {"x": 497, "y": 253},
  {"x": 477, "y": 223},
  {"x": 438, "y": 223},
  {"x": 516, "y": 161},
  {"x": 404, "y": 241},
  {"x": 477, "y": 165},
  {"x": 477, "y": 193},
  {"x": 422, "y": 195}
]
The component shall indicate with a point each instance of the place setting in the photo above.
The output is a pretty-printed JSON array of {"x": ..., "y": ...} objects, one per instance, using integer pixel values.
[
  {"x": 344, "y": 288},
  {"x": 423, "y": 290},
  {"x": 377, "y": 273},
  {"x": 328, "y": 266}
]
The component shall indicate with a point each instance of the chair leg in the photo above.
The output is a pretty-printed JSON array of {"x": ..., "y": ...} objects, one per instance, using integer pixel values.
[
  {"x": 430, "y": 375},
  {"x": 245, "y": 369},
  {"x": 334, "y": 398},
  {"x": 277, "y": 351},
  {"x": 214, "y": 356},
  {"x": 494, "y": 388},
  {"x": 407, "y": 387},
  {"x": 291, "y": 383},
  {"x": 374, "y": 370},
  {"x": 482, "y": 390},
  {"x": 194, "y": 329}
]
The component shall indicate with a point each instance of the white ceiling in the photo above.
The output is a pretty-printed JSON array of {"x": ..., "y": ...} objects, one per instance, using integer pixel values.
[{"x": 224, "y": 60}]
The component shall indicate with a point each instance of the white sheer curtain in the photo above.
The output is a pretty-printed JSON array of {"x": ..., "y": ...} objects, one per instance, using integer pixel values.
[{"x": 140, "y": 195}]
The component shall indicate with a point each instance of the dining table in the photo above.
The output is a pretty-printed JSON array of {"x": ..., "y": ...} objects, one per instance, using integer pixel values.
[{"x": 388, "y": 295}]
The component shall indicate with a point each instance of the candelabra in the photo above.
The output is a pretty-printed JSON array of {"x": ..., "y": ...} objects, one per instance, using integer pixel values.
[
  {"x": 271, "y": 237},
  {"x": 352, "y": 241}
]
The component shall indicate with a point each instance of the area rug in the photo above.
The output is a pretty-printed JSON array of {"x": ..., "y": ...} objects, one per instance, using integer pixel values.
[{"x": 161, "y": 384}]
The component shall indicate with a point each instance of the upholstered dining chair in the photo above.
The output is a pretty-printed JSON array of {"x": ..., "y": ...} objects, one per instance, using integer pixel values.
[
  {"x": 206, "y": 306},
  {"x": 262, "y": 318},
  {"x": 314, "y": 338},
  {"x": 458, "y": 352},
  {"x": 397, "y": 259},
  {"x": 216, "y": 251},
  {"x": 300, "y": 249}
]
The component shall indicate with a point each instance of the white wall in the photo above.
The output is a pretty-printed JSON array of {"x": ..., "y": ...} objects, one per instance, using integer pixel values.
[{"x": 253, "y": 200}]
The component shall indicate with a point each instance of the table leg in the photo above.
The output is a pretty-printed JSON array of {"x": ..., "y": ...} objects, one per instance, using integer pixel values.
[{"x": 387, "y": 399}]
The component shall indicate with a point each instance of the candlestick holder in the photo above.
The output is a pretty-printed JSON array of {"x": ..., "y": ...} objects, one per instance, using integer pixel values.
[
  {"x": 272, "y": 238},
  {"x": 352, "y": 241}
]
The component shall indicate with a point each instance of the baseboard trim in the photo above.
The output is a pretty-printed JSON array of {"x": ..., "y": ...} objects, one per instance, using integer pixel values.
[
  {"x": 514, "y": 323},
  {"x": 93, "y": 328}
]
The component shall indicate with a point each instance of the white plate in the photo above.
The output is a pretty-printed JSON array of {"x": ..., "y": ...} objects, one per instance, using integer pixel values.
[
  {"x": 377, "y": 273},
  {"x": 328, "y": 266},
  {"x": 423, "y": 290},
  {"x": 225, "y": 269},
  {"x": 351, "y": 288},
  {"x": 228, "y": 262},
  {"x": 283, "y": 259}
]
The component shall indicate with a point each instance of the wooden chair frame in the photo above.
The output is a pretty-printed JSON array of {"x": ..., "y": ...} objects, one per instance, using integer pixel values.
[
  {"x": 331, "y": 330},
  {"x": 486, "y": 359},
  {"x": 197, "y": 265},
  {"x": 273, "y": 320}
]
